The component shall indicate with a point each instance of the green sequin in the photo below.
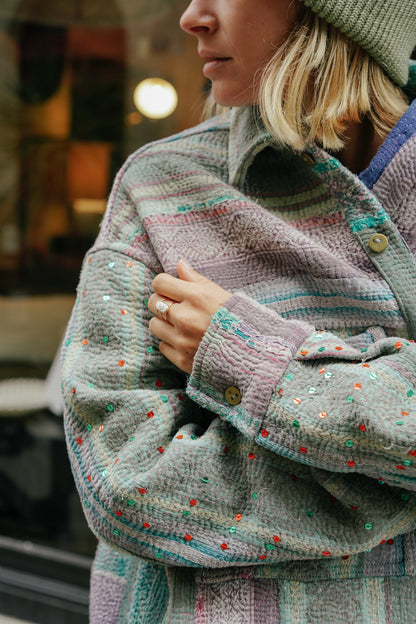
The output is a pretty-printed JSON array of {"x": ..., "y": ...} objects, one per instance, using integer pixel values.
[
  {"x": 87, "y": 504},
  {"x": 105, "y": 339},
  {"x": 368, "y": 526},
  {"x": 373, "y": 376},
  {"x": 349, "y": 443},
  {"x": 164, "y": 398},
  {"x": 131, "y": 502},
  {"x": 150, "y": 349},
  {"x": 205, "y": 480},
  {"x": 110, "y": 407},
  {"x": 289, "y": 376},
  {"x": 399, "y": 422},
  {"x": 350, "y": 399},
  {"x": 269, "y": 546},
  {"x": 321, "y": 349},
  {"x": 89, "y": 427},
  {"x": 407, "y": 462},
  {"x": 405, "y": 496},
  {"x": 410, "y": 393},
  {"x": 186, "y": 514},
  {"x": 233, "y": 529},
  {"x": 116, "y": 532},
  {"x": 296, "y": 424},
  {"x": 255, "y": 495},
  {"x": 309, "y": 514}
]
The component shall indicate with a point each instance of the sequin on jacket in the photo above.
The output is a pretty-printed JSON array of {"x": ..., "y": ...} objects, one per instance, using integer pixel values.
[{"x": 292, "y": 497}]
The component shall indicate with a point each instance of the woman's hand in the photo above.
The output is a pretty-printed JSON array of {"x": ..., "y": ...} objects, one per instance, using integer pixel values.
[{"x": 196, "y": 299}]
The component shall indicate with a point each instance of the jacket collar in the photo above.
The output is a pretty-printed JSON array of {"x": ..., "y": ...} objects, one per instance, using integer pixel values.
[{"x": 249, "y": 137}]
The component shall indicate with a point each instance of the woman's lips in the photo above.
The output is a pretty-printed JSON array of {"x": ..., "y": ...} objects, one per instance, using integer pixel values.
[{"x": 214, "y": 64}]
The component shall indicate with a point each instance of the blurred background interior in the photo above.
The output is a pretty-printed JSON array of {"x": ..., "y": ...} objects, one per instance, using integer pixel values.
[{"x": 83, "y": 83}]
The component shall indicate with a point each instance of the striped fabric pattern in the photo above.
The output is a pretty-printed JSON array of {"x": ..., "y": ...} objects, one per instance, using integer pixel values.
[{"x": 208, "y": 512}]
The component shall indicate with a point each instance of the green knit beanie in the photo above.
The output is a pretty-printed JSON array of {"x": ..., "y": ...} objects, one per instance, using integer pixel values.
[{"x": 385, "y": 28}]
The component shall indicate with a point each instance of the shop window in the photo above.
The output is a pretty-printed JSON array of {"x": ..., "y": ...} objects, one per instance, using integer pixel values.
[{"x": 68, "y": 74}]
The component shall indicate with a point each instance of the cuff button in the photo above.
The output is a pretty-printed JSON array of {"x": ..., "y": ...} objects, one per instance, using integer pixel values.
[{"x": 233, "y": 395}]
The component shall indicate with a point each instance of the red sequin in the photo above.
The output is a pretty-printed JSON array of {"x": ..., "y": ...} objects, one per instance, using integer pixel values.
[
  {"x": 345, "y": 556},
  {"x": 89, "y": 478},
  {"x": 193, "y": 502},
  {"x": 405, "y": 413},
  {"x": 326, "y": 553},
  {"x": 400, "y": 467},
  {"x": 338, "y": 348},
  {"x": 179, "y": 437},
  {"x": 276, "y": 538},
  {"x": 304, "y": 353},
  {"x": 363, "y": 428},
  {"x": 351, "y": 463},
  {"x": 238, "y": 517},
  {"x": 398, "y": 345},
  {"x": 85, "y": 342},
  {"x": 124, "y": 312},
  {"x": 161, "y": 449},
  {"x": 412, "y": 453},
  {"x": 142, "y": 490},
  {"x": 224, "y": 546},
  {"x": 188, "y": 537},
  {"x": 390, "y": 542},
  {"x": 119, "y": 513},
  {"x": 303, "y": 449},
  {"x": 251, "y": 456},
  {"x": 101, "y": 428},
  {"x": 121, "y": 363},
  {"x": 158, "y": 383},
  {"x": 79, "y": 440},
  {"x": 264, "y": 433},
  {"x": 150, "y": 414},
  {"x": 146, "y": 525},
  {"x": 262, "y": 557}
]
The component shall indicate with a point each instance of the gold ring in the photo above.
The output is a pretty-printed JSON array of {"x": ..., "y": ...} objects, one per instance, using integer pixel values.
[{"x": 162, "y": 308}]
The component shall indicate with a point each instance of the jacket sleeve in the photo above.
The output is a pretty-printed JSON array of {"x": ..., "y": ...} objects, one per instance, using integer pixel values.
[
  {"x": 190, "y": 480},
  {"x": 321, "y": 402}
]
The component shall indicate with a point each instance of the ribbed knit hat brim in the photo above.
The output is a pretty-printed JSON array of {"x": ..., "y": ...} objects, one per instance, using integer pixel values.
[{"x": 385, "y": 28}]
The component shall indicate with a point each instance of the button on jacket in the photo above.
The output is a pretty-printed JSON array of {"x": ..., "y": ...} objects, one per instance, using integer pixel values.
[{"x": 296, "y": 494}]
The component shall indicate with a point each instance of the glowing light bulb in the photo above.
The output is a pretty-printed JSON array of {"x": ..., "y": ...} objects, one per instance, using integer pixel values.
[{"x": 155, "y": 98}]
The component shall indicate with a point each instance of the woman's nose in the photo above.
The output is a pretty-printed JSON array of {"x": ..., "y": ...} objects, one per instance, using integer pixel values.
[{"x": 197, "y": 19}]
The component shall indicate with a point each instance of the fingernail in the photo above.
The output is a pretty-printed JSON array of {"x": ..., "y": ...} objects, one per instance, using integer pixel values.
[{"x": 185, "y": 263}]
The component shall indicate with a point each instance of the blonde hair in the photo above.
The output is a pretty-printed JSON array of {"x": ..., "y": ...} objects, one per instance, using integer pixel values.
[{"x": 318, "y": 81}]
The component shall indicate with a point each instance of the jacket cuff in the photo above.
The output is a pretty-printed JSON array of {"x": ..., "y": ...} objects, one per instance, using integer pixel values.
[{"x": 241, "y": 357}]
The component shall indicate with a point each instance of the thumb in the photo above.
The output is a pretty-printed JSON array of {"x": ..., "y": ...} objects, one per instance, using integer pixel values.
[{"x": 187, "y": 273}]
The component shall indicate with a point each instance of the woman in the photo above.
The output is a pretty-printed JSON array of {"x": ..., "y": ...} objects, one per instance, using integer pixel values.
[{"x": 239, "y": 367}]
